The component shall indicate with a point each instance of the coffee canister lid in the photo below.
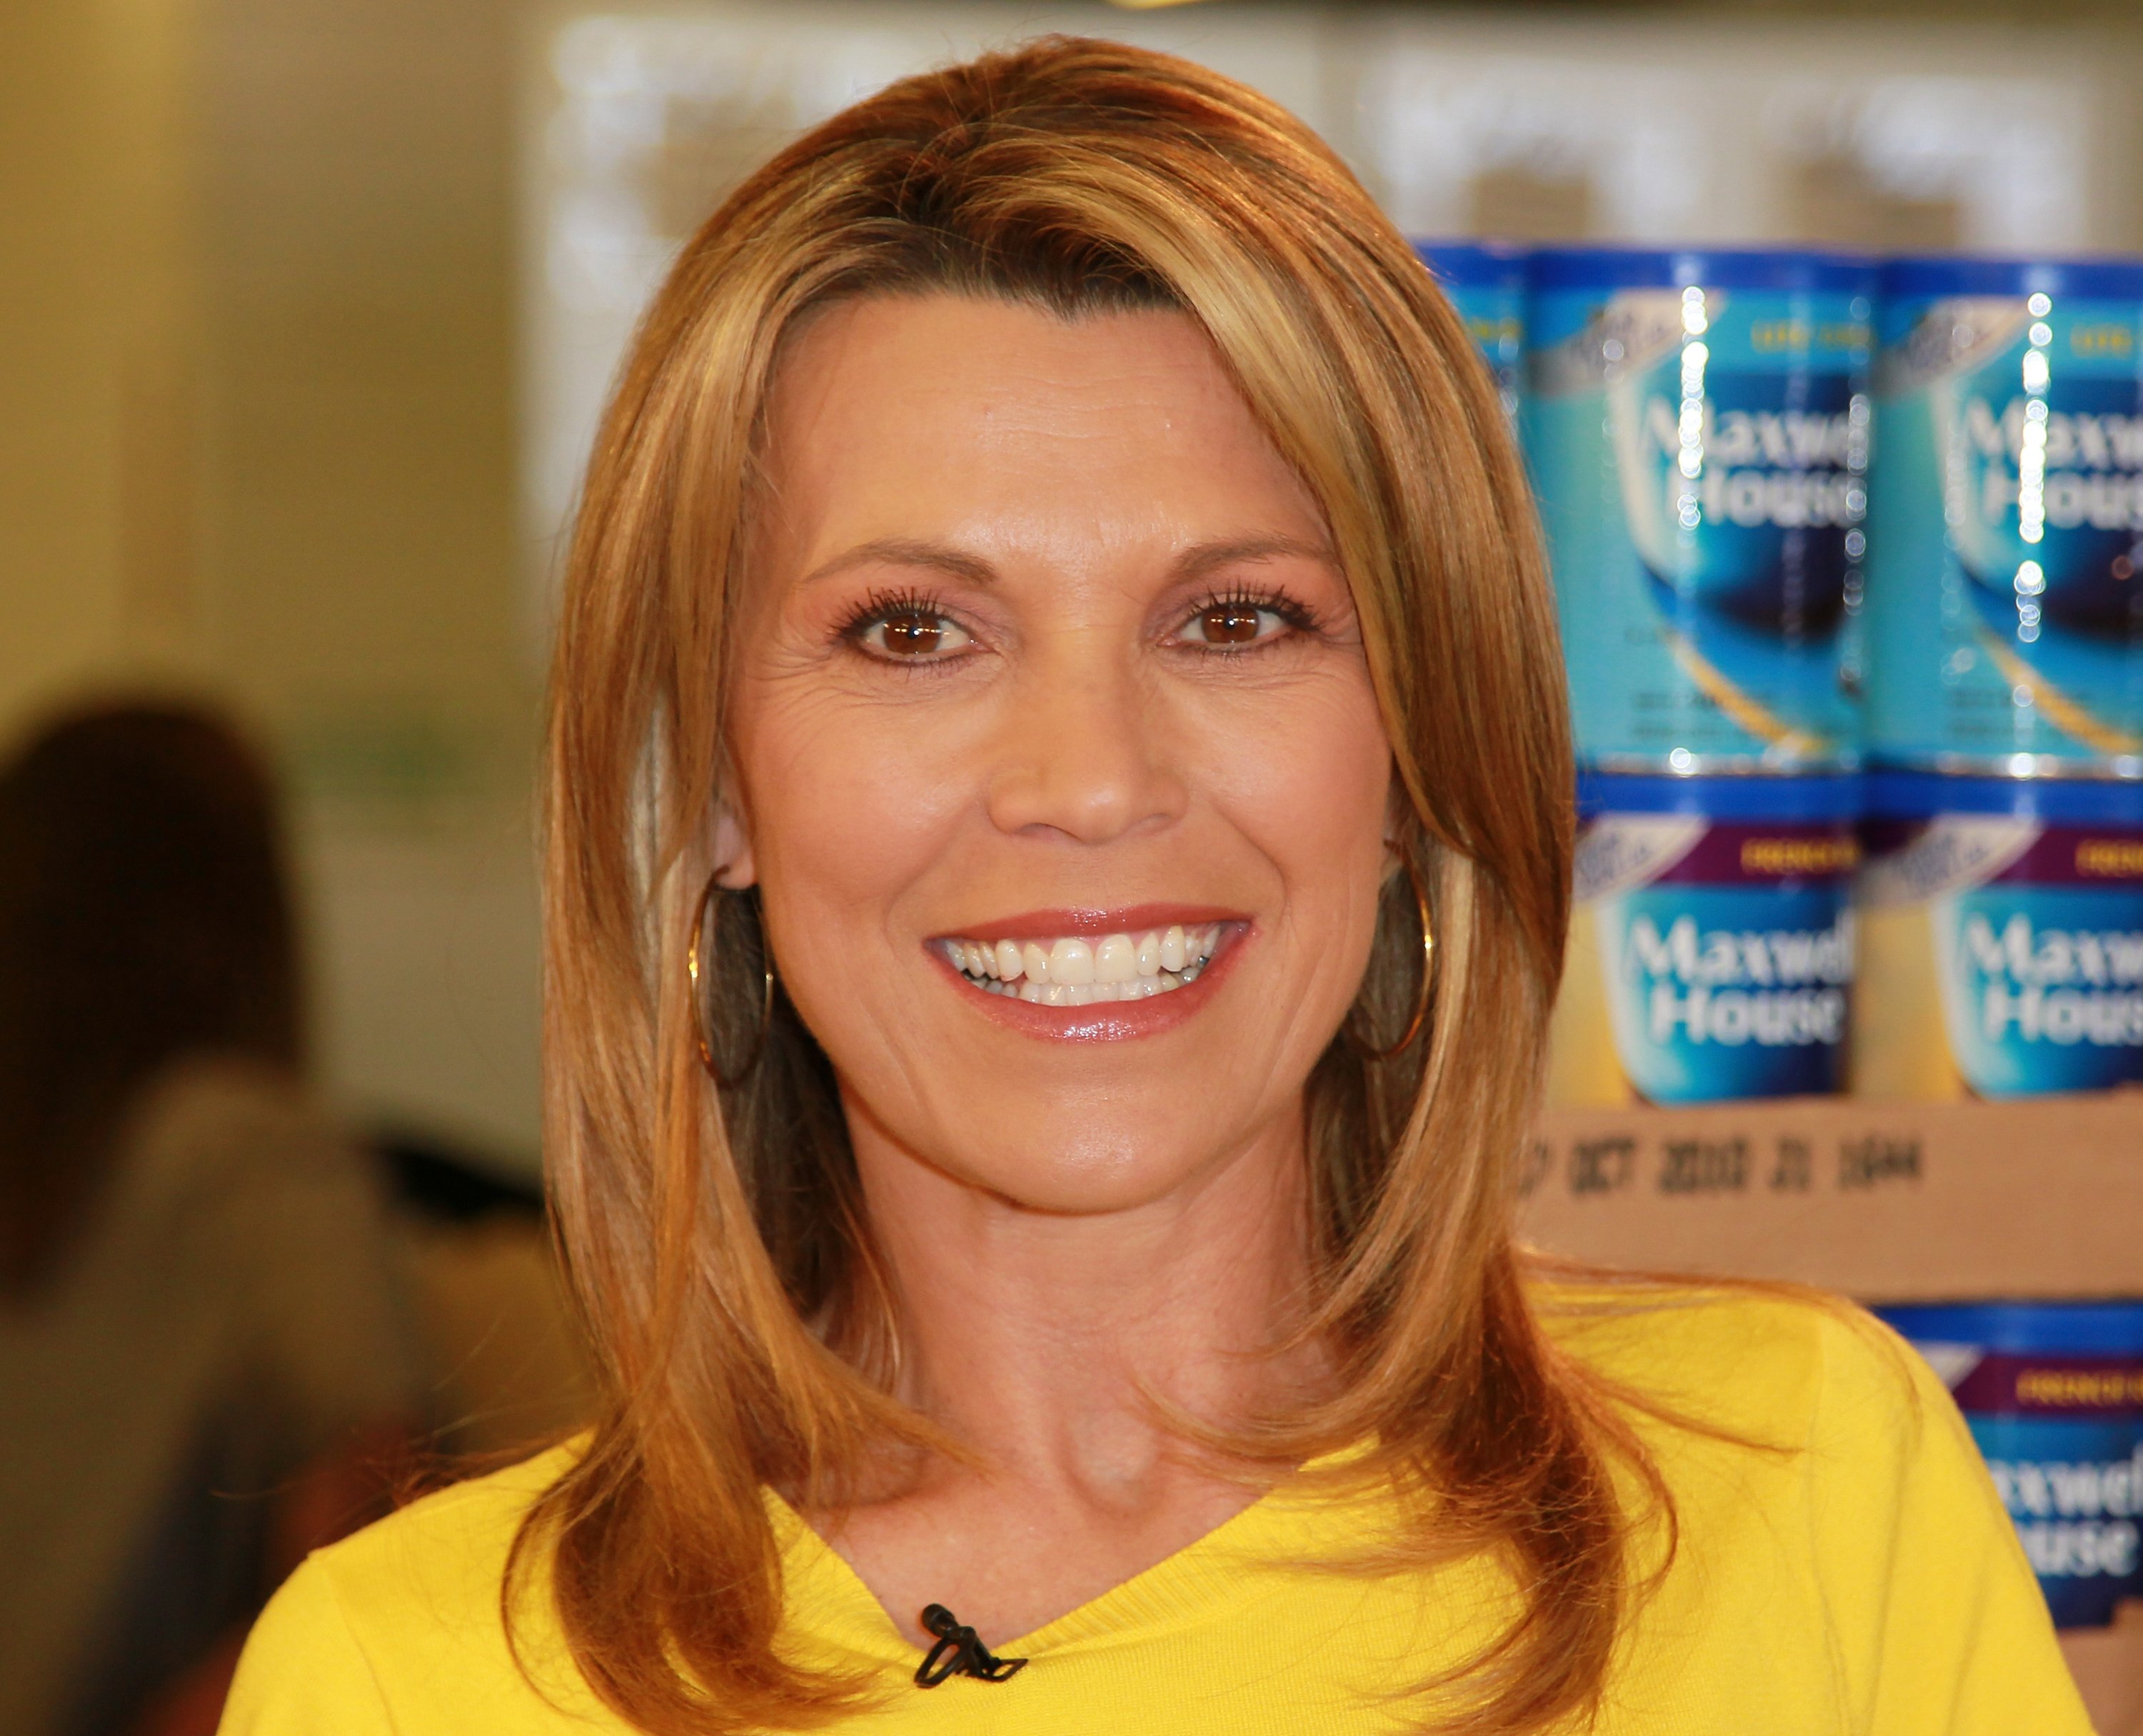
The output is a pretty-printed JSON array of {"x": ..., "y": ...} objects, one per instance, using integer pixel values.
[
  {"x": 2105, "y": 279},
  {"x": 1908, "y": 795},
  {"x": 1713, "y": 268},
  {"x": 1475, "y": 264},
  {"x": 2025, "y": 1328},
  {"x": 1814, "y": 800}
]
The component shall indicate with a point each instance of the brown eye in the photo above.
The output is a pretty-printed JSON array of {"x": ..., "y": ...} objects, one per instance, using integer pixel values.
[
  {"x": 913, "y": 634},
  {"x": 1233, "y": 626},
  {"x": 1229, "y": 624},
  {"x": 909, "y": 634}
]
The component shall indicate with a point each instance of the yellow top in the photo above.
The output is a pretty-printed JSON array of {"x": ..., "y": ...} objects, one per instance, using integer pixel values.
[{"x": 1866, "y": 1580}]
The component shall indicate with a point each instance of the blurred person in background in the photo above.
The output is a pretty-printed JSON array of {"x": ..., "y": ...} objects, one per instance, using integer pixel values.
[{"x": 205, "y": 1362}]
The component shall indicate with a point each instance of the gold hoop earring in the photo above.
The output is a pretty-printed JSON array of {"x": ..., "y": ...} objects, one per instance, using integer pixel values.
[
  {"x": 1367, "y": 1050},
  {"x": 699, "y": 971}
]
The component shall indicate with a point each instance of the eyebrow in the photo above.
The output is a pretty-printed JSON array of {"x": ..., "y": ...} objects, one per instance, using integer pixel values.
[
  {"x": 1208, "y": 557},
  {"x": 1193, "y": 563},
  {"x": 908, "y": 551}
]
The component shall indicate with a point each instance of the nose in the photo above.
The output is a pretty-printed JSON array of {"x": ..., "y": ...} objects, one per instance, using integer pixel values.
[{"x": 1082, "y": 751}]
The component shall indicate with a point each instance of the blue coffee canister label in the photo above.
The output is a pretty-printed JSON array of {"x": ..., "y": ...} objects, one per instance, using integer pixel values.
[
  {"x": 1697, "y": 424},
  {"x": 2006, "y": 527},
  {"x": 1486, "y": 281},
  {"x": 2053, "y": 1394},
  {"x": 1719, "y": 914},
  {"x": 2023, "y": 898}
]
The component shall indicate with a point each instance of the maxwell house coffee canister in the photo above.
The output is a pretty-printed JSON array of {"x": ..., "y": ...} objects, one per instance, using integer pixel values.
[
  {"x": 1697, "y": 426},
  {"x": 2053, "y": 1394},
  {"x": 2000, "y": 937},
  {"x": 1486, "y": 281},
  {"x": 1711, "y": 944},
  {"x": 2005, "y": 613}
]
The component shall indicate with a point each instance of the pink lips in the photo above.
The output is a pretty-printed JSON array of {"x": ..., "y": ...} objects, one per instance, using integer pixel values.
[
  {"x": 1088, "y": 924},
  {"x": 1110, "y": 1022}
]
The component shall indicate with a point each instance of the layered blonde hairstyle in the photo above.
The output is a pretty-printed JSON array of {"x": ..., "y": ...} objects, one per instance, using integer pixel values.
[{"x": 715, "y": 1238}]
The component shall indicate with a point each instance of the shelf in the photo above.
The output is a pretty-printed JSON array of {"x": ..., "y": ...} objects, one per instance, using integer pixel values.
[{"x": 1887, "y": 1202}]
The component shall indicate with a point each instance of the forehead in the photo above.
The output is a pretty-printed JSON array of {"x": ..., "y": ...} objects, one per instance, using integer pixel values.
[{"x": 946, "y": 416}]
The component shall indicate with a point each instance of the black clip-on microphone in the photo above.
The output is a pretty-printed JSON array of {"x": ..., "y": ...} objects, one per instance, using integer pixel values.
[{"x": 960, "y": 1652}]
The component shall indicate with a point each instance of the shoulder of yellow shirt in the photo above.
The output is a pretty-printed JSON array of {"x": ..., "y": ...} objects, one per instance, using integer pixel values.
[
  {"x": 1750, "y": 1368},
  {"x": 1762, "y": 1365}
]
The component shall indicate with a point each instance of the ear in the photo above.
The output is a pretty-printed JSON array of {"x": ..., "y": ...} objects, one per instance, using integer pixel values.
[
  {"x": 738, "y": 868},
  {"x": 1399, "y": 821}
]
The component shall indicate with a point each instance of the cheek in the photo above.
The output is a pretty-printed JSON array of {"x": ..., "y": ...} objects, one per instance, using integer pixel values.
[
  {"x": 1308, "y": 783},
  {"x": 850, "y": 806},
  {"x": 1310, "y": 777}
]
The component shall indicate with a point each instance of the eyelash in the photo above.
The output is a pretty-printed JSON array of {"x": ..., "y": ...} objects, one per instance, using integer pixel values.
[
  {"x": 881, "y": 607},
  {"x": 1298, "y": 618}
]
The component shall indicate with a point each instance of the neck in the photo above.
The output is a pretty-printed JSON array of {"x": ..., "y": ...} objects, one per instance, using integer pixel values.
[{"x": 1056, "y": 1344}]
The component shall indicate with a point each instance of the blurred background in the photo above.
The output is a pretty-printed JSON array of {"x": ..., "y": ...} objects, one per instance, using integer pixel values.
[
  {"x": 308, "y": 305},
  {"x": 307, "y": 308}
]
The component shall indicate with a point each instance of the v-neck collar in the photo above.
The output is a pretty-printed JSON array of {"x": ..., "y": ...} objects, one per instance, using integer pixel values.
[{"x": 828, "y": 1599}]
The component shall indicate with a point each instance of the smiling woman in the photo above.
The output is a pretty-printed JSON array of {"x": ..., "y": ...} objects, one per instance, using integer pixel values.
[{"x": 1060, "y": 828}]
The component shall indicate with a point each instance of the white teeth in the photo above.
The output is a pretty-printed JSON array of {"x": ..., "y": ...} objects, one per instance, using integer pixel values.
[
  {"x": 1073, "y": 972},
  {"x": 1116, "y": 960},
  {"x": 1071, "y": 960}
]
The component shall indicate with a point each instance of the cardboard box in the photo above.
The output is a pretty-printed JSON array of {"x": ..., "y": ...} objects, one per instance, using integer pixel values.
[
  {"x": 1883, "y": 1202},
  {"x": 2108, "y": 1666}
]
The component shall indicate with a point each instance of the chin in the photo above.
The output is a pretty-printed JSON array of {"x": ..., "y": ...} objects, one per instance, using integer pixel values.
[{"x": 1095, "y": 1176}]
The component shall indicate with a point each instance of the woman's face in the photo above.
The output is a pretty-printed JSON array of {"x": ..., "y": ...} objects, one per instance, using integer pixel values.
[{"x": 1056, "y": 759}]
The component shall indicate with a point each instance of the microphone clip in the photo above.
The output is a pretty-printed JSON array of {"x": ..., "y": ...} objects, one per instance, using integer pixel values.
[{"x": 960, "y": 1652}]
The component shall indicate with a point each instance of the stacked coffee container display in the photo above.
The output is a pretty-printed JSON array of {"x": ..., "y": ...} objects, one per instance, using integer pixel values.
[
  {"x": 2002, "y": 901},
  {"x": 1846, "y": 557},
  {"x": 1847, "y": 569},
  {"x": 1697, "y": 425}
]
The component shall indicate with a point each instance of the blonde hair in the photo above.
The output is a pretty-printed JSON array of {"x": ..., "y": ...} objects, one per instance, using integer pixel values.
[{"x": 715, "y": 1239}]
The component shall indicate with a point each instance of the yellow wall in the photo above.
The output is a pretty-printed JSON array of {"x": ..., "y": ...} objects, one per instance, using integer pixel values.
[
  {"x": 359, "y": 223},
  {"x": 256, "y": 402},
  {"x": 97, "y": 326},
  {"x": 256, "y": 349},
  {"x": 360, "y": 219}
]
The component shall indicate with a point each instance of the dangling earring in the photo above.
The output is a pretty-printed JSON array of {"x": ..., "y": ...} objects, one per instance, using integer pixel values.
[
  {"x": 699, "y": 970},
  {"x": 1367, "y": 1050}
]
